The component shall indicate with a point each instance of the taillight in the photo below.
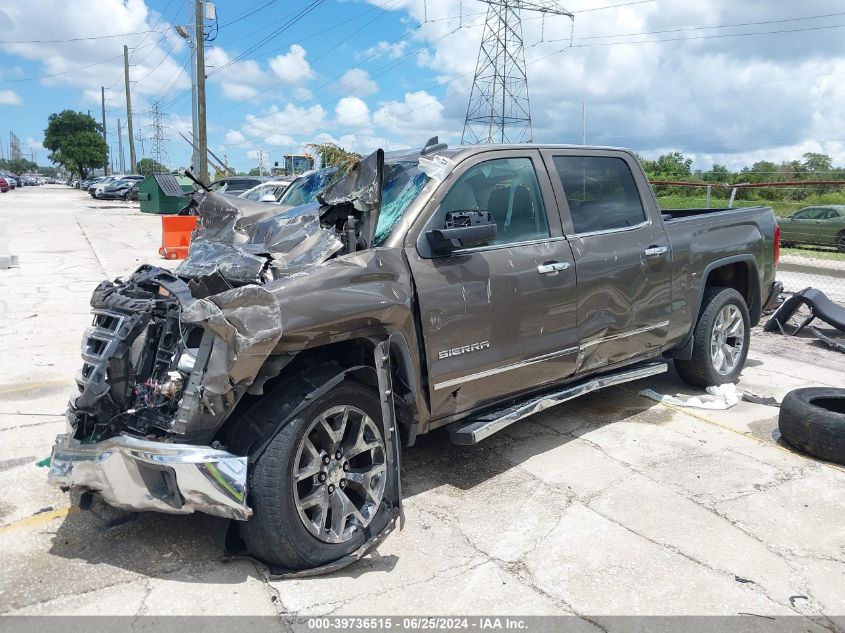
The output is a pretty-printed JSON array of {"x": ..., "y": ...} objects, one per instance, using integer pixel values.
[{"x": 777, "y": 244}]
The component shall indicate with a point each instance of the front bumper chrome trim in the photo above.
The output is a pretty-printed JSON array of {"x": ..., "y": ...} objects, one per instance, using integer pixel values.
[{"x": 138, "y": 475}]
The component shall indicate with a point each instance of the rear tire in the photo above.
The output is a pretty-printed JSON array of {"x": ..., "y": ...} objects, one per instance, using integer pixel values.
[
  {"x": 280, "y": 484},
  {"x": 813, "y": 421},
  {"x": 840, "y": 242},
  {"x": 718, "y": 358}
]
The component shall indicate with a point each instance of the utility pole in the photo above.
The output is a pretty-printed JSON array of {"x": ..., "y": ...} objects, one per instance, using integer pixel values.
[
  {"x": 202, "y": 138},
  {"x": 105, "y": 138},
  {"x": 128, "y": 110},
  {"x": 120, "y": 147},
  {"x": 583, "y": 123}
]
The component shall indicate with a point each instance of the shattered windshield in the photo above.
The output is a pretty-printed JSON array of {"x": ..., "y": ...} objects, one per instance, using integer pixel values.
[
  {"x": 305, "y": 189},
  {"x": 403, "y": 182}
]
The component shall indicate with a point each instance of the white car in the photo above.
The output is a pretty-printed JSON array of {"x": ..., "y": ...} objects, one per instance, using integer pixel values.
[
  {"x": 269, "y": 191},
  {"x": 98, "y": 188}
]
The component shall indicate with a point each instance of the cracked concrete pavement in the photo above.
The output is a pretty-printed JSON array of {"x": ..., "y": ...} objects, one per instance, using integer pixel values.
[{"x": 607, "y": 505}]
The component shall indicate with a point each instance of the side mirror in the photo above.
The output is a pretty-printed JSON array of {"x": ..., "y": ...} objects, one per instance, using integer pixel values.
[
  {"x": 463, "y": 229},
  {"x": 268, "y": 197}
]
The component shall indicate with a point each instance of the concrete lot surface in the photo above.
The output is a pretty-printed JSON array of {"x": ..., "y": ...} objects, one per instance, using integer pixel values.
[{"x": 608, "y": 505}]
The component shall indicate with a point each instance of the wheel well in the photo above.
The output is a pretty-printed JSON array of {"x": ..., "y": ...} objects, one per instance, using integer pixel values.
[
  {"x": 335, "y": 357},
  {"x": 739, "y": 276}
]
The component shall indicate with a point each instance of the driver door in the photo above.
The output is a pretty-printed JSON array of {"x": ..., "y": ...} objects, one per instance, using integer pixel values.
[{"x": 497, "y": 319}]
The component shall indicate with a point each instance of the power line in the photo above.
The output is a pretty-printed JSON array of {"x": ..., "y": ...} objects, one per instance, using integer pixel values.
[
  {"x": 248, "y": 14},
  {"x": 160, "y": 17},
  {"x": 164, "y": 58},
  {"x": 64, "y": 72},
  {"x": 704, "y": 28},
  {"x": 291, "y": 22},
  {"x": 384, "y": 69},
  {"x": 709, "y": 37},
  {"x": 77, "y": 39},
  {"x": 328, "y": 51}
]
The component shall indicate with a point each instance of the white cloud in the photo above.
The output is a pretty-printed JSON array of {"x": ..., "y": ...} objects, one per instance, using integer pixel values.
[
  {"x": 418, "y": 115},
  {"x": 352, "y": 112},
  {"x": 386, "y": 49},
  {"x": 81, "y": 64},
  {"x": 234, "y": 137},
  {"x": 9, "y": 97},
  {"x": 289, "y": 120},
  {"x": 238, "y": 80},
  {"x": 357, "y": 82},
  {"x": 292, "y": 67},
  {"x": 728, "y": 99}
]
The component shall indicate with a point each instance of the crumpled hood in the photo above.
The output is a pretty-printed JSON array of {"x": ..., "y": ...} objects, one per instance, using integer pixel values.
[{"x": 250, "y": 242}]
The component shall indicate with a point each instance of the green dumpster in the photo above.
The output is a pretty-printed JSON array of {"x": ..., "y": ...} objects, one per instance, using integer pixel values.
[{"x": 164, "y": 193}]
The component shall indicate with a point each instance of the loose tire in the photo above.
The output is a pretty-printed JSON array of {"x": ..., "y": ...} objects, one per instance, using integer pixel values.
[
  {"x": 813, "y": 421},
  {"x": 296, "y": 470},
  {"x": 720, "y": 340}
]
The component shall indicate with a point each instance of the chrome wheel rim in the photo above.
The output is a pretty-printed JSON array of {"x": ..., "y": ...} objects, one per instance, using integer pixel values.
[
  {"x": 727, "y": 340},
  {"x": 339, "y": 474}
]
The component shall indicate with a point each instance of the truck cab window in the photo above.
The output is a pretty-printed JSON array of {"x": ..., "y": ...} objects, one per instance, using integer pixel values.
[
  {"x": 509, "y": 190},
  {"x": 601, "y": 193}
]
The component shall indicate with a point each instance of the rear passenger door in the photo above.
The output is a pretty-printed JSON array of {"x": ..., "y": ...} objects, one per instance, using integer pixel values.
[
  {"x": 622, "y": 256},
  {"x": 496, "y": 319}
]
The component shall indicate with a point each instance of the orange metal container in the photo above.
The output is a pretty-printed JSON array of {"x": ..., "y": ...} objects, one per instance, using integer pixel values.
[{"x": 176, "y": 233}]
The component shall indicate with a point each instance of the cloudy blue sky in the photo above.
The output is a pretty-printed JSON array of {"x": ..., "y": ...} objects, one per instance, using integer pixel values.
[{"x": 723, "y": 81}]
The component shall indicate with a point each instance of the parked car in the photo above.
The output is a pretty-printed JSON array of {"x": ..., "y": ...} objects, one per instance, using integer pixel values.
[
  {"x": 236, "y": 185},
  {"x": 467, "y": 288},
  {"x": 269, "y": 191},
  {"x": 96, "y": 188},
  {"x": 820, "y": 225},
  {"x": 11, "y": 180},
  {"x": 119, "y": 189},
  {"x": 4, "y": 185}
]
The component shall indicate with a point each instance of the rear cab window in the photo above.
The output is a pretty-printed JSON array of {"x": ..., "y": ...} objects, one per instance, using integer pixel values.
[{"x": 601, "y": 193}]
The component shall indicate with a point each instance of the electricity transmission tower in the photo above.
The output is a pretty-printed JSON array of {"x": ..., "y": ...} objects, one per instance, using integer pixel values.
[
  {"x": 158, "y": 138},
  {"x": 499, "y": 110},
  {"x": 14, "y": 147}
]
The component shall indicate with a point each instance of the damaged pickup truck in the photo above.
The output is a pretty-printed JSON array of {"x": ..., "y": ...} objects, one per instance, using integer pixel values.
[{"x": 274, "y": 376}]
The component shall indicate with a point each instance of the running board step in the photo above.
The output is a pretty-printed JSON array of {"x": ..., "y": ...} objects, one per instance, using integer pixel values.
[{"x": 473, "y": 430}]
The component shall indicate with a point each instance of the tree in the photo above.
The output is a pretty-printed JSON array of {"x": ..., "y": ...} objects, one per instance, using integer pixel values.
[
  {"x": 669, "y": 166},
  {"x": 816, "y": 163},
  {"x": 761, "y": 171},
  {"x": 18, "y": 166},
  {"x": 332, "y": 155},
  {"x": 147, "y": 166},
  {"x": 75, "y": 141},
  {"x": 254, "y": 172},
  {"x": 719, "y": 173}
]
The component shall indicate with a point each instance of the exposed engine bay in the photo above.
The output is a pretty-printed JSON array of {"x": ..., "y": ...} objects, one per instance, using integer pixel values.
[{"x": 170, "y": 354}]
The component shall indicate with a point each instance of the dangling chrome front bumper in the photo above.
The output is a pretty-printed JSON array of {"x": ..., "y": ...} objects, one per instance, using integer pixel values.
[{"x": 135, "y": 474}]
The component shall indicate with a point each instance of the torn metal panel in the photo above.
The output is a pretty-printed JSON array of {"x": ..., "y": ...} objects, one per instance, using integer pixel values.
[
  {"x": 360, "y": 187},
  {"x": 248, "y": 324}
]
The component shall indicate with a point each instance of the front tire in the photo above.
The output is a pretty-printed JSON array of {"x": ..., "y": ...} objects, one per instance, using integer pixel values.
[
  {"x": 840, "y": 242},
  {"x": 720, "y": 340},
  {"x": 319, "y": 485}
]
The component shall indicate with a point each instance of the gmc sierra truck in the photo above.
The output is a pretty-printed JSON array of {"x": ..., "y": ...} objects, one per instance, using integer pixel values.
[{"x": 275, "y": 375}]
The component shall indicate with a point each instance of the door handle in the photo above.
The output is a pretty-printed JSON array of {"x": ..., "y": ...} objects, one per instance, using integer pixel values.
[
  {"x": 552, "y": 267},
  {"x": 656, "y": 251}
]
